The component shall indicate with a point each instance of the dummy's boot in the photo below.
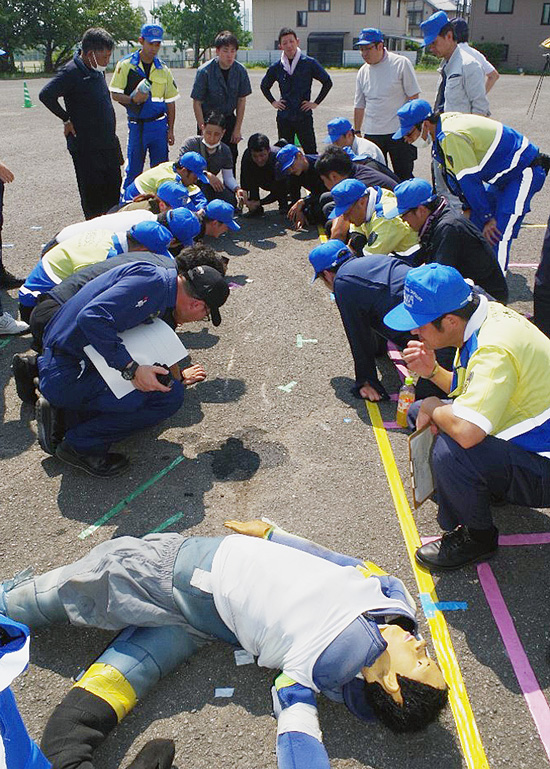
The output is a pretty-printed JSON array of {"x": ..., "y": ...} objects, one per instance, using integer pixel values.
[{"x": 156, "y": 754}]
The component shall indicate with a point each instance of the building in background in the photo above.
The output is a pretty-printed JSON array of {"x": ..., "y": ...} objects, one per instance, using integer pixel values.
[
  {"x": 327, "y": 28},
  {"x": 518, "y": 25},
  {"x": 419, "y": 10}
]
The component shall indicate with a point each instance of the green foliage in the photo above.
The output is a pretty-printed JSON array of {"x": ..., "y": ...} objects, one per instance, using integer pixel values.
[
  {"x": 428, "y": 61},
  {"x": 195, "y": 23},
  {"x": 494, "y": 52},
  {"x": 56, "y": 26}
]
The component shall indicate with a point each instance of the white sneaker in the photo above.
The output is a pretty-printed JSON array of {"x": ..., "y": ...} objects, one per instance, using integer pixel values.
[{"x": 9, "y": 325}]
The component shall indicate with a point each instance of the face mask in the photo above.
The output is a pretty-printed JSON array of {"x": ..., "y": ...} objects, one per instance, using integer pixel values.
[
  {"x": 421, "y": 143},
  {"x": 96, "y": 67},
  {"x": 211, "y": 146}
]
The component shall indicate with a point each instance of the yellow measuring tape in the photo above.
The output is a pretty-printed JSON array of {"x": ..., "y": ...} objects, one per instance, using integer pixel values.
[{"x": 458, "y": 697}]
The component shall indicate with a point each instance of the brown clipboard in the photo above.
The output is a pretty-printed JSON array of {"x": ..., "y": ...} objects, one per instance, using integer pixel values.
[{"x": 420, "y": 449}]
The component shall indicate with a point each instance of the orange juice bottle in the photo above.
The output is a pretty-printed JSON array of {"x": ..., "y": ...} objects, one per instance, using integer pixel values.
[{"x": 406, "y": 398}]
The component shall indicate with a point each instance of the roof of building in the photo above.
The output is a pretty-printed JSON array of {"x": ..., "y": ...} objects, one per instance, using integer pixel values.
[{"x": 442, "y": 5}]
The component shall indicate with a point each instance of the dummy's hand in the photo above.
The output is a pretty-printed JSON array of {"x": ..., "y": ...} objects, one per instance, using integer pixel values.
[
  {"x": 419, "y": 360},
  {"x": 146, "y": 380},
  {"x": 308, "y": 105},
  {"x": 193, "y": 374},
  {"x": 171, "y": 138},
  {"x": 281, "y": 104},
  {"x": 491, "y": 232},
  {"x": 216, "y": 183},
  {"x": 68, "y": 128},
  {"x": 6, "y": 175},
  {"x": 255, "y": 528}
]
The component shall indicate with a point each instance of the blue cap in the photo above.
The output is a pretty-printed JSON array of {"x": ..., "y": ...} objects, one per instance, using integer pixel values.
[
  {"x": 174, "y": 194},
  {"x": 430, "y": 291},
  {"x": 433, "y": 26},
  {"x": 222, "y": 212},
  {"x": 183, "y": 224},
  {"x": 2, "y": 52},
  {"x": 286, "y": 157},
  {"x": 194, "y": 163},
  {"x": 153, "y": 235},
  {"x": 410, "y": 114},
  {"x": 327, "y": 255},
  {"x": 153, "y": 33},
  {"x": 369, "y": 35},
  {"x": 410, "y": 194},
  {"x": 337, "y": 128},
  {"x": 345, "y": 194}
]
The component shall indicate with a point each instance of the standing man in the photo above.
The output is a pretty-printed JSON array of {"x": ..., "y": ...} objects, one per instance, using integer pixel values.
[
  {"x": 295, "y": 73},
  {"x": 144, "y": 85},
  {"x": 222, "y": 85},
  {"x": 541, "y": 291},
  {"x": 385, "y": 82},
  {"x": 462, "y": 35},
  {"x": 7, "y": 280},
  {"x": 89, "y": 121}
]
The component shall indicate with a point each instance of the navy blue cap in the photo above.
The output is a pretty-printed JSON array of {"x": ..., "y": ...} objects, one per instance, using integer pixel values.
[
  {"x": 337, "y": 128},
  {"x": 327, "y": 255},
  {"x": 369, "y": 35},
  {"x": 183, "y": 224},
  {"x": 153, "y": 236},
  {"x": 433, "y": 26},
  {"x": 175, "y": 194},
  {"x": 153, "y": 33},
  {"x": 461, "y": 29},
  {"x": 286, "y": 157},
  {"x": 194, "y": 163},
  {"x": 222, "y": 211},
  {"x": 410, "y": 194},
  {"x": 410, "y": 114},
  {"x": 345, "y": 194},
  {"x": 430, "y": 291}
]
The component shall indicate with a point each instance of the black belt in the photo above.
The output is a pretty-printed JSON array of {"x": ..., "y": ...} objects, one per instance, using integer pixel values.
[{"x": 542, "y": 160}]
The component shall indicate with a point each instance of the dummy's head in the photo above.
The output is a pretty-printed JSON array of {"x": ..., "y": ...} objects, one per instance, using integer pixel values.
[{"x": 405, "y": 688}]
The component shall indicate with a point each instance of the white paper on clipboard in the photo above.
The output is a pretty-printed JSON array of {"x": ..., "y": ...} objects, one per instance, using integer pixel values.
[
  {"x": 420, "y": 449},
  {"x": 147, "y": 343}
]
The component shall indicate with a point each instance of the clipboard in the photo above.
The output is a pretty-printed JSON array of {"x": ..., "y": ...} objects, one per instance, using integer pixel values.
[{"x": 420, "y": 449}]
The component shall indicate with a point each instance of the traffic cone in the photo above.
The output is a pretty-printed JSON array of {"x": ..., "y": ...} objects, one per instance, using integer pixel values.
[
  {"x": 297, "y": 141},
  {"x": 26, "y": 96}
]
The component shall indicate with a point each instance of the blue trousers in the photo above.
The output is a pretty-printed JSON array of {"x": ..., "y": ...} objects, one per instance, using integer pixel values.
[
  {"x": 142, "y": 138},
  {"x": 94, "y": 416},
  {"x": 541, "y": 292},
  {"x": 465, "y": 479},
  {"x": 510, "y": 202}
]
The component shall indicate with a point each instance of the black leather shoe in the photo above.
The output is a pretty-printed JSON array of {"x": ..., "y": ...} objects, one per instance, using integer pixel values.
[
  {"x": 25, "y": 371},
  {"x": 156, "y": 754},
  {"x": 455, "y": 549},
  {"x": 100, "y": 465},
  {"x": 50, "y": 425},
  {"x": 7, "y": 280}
]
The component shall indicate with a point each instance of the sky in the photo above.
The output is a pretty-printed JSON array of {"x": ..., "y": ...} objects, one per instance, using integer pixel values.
[{"x": 149, "y": 5}]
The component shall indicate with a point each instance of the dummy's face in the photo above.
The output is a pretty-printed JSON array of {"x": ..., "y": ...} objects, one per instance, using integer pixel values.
[
  {"x": 407, "y": 658},
  {"x": 260, "y": 157},
  {"x": 356, "y": 213},
  {"x": 148, "y": 50},
  {"x": 226, "y": 56},
  {"x": 212, "y": 134},
  {"x": 372, "y": 53},
  {"x": 289, "y": 44}
]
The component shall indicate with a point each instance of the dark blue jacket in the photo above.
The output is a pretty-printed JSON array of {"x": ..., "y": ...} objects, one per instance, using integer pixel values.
[
  {"x": 115, "y": 301},
  {"x": 296, "y": 88},
  {"x": 87, "y": 104}
]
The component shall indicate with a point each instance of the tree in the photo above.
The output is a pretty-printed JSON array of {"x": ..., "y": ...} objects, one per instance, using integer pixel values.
[
  {"x": 195, "y": 23},
  {"x": 16, "y": 28}
]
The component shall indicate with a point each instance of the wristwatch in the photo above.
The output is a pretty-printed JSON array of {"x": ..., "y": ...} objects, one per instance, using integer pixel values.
[{"x": 129, "y": 371}]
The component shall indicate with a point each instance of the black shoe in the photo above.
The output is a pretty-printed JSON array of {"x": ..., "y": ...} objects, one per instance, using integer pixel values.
[
  {"x": 99, "y": 465},
  {"x": 283, "y": 208},
  {"x": 455, "y": 549},
  {"x": 50, "y": 425},
  {"x": 25, "y": 371},
  {"x": 255, "y": 213},
  {"x": 7, "y": 280},
  {"x": 156, "y": 754}
]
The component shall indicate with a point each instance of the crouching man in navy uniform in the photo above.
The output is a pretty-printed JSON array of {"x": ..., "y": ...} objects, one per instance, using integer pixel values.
[
  {"x": 118, "y": 300},
  {"x": 331, "y": 623}
]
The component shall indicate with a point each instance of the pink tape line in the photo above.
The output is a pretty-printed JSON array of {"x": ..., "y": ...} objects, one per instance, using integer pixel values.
[
  {"x": 397, "y": 359},
  {"x": 527, "y": 680}
]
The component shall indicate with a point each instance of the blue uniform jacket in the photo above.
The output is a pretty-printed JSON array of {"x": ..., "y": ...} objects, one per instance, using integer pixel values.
[
  {"x": 296, "y": 88},
  {"x": 217, "y": 94},
  {"x": 115, "y": 301}
]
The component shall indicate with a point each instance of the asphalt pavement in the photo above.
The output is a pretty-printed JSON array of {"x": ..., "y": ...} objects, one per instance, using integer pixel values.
[{"x": 273, "y": 431}]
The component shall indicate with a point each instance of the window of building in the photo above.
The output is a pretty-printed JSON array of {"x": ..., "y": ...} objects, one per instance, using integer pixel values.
[
  {"x": 319, "y": 5},
  {"x": 301, "y": 18},
  {"x": 545, "y": 13},
  {"x": 499, "y": 6},
  {"x": 398, "y": 11},
  {"x": 360, "y": 6},
  {"x": 386, "y": 9}
]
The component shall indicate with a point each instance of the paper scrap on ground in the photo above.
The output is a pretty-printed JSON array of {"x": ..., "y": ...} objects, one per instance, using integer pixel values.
[
  {"x": 347, "y": 420},
  {"x": 300, "y": 341},
  {"x": 8, "y": 245},
  {"x": 288, "y": 387},
  {"x": 227, "y": 691},
  {"x": 234, "y": 285},
  {"x": 147, "y": 343},
  {"x": 249, "y": 280},
  {"x": 36, "y": 227},
  {"x": 242, "y": 657}
]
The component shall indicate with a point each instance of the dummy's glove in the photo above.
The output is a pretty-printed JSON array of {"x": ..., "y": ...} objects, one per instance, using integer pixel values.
[
  {"x": 255, "y": 528},
  {"x": 156, "y": 754}
]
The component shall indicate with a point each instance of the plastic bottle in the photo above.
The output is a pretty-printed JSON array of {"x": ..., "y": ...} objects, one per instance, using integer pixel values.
[
  {"x": 144, "y": 86},
  {"x": 406, "y": 398}
]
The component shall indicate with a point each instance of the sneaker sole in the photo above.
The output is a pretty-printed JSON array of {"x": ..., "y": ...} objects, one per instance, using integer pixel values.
[
  {"x": 68, "y": 459},
  {"x": 23, "y": 373},
  {"x": 438, "y": 567}
]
